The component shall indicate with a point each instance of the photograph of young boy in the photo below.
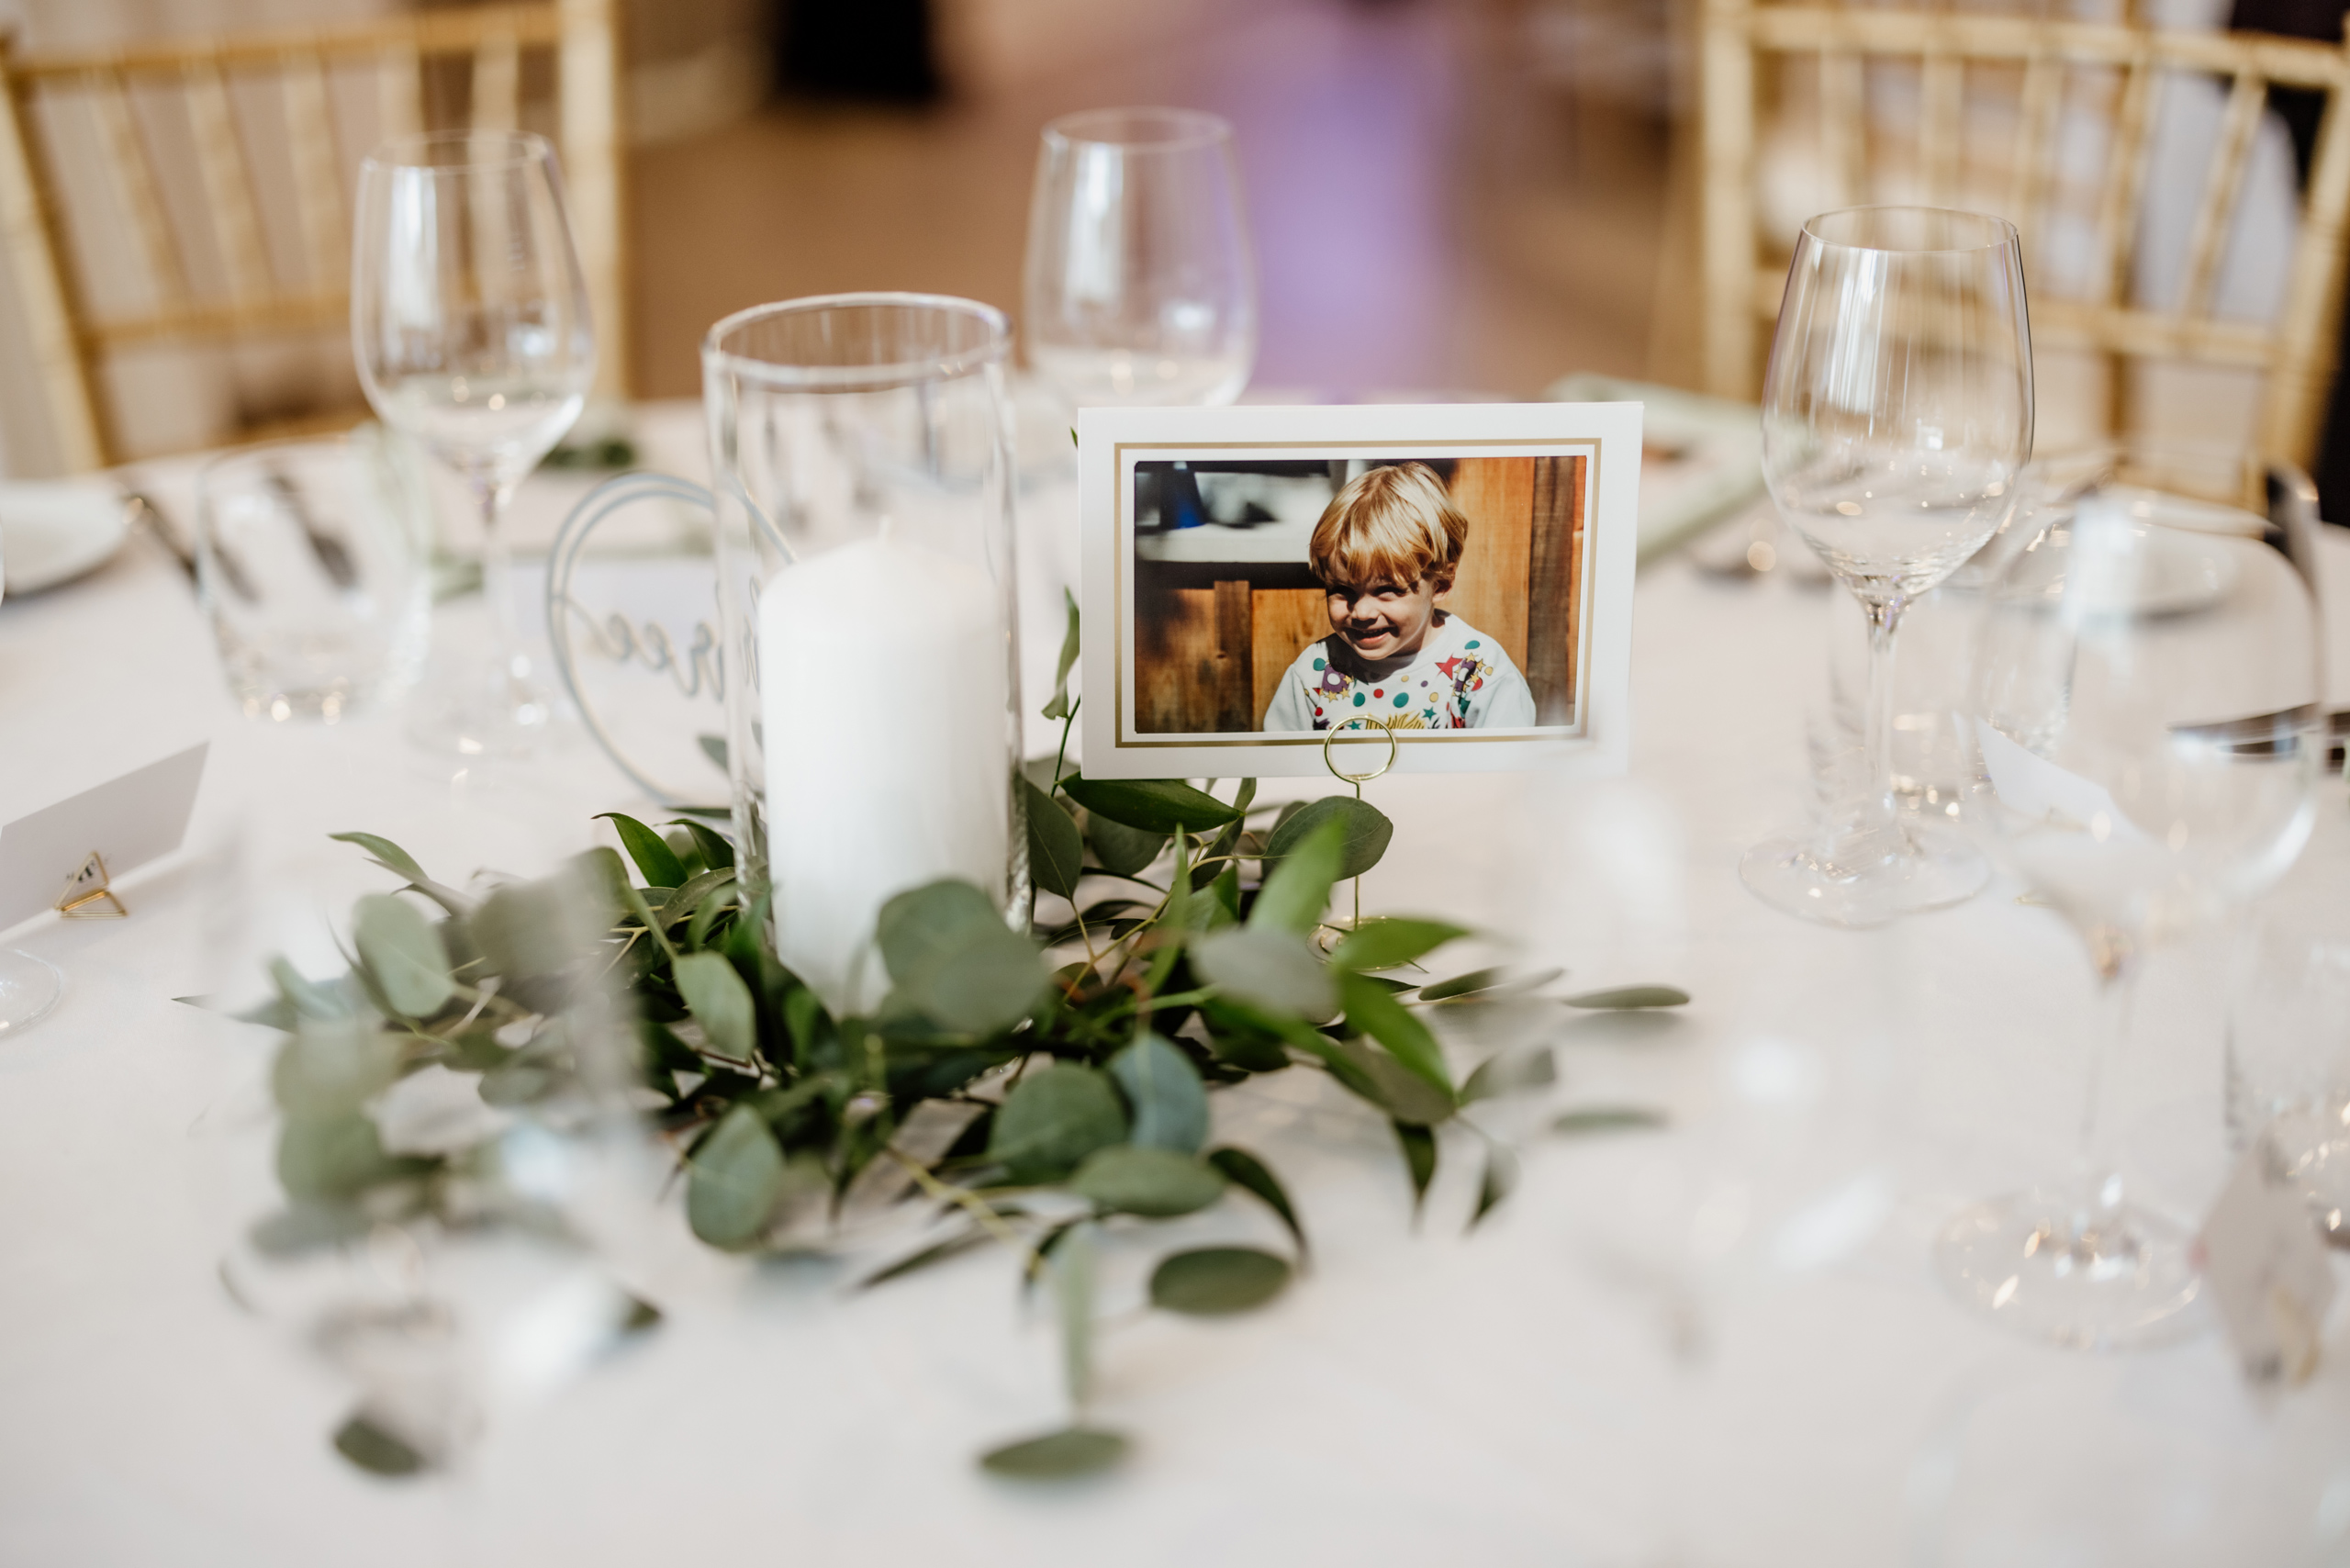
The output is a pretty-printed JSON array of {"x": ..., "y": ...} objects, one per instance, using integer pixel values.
[{"x": 1386, "y": 550}]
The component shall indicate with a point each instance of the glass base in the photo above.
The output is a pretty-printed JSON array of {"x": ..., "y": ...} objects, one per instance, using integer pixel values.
[
  {"x": 503, "y": 719},
  {"x": 30, "y": 987},
  {"x": 1867, "y": 880},
  {"x": 2084, "y": 1273}
]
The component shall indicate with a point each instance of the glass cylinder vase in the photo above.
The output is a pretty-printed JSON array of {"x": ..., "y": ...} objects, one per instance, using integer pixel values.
[{"x": 861, "y": 454}]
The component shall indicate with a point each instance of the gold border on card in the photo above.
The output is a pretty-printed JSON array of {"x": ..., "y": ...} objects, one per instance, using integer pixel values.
[{"x": 1122, "y": 602}]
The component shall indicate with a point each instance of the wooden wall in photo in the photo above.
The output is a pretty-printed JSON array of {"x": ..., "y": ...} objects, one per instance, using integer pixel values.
[
  {"x": 1554, "y": 586},
  {"x": 1285, "y": 619},
  {"x": 1496, "y": 495}
]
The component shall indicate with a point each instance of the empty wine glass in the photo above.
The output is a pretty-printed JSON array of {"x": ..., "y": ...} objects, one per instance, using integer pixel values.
[
  {"x": 1895, "y": 414},
  {"x": 1140, "y": 288},
  {"x": 469, "y": 319},
  {"x": 2145, "y": 734}
]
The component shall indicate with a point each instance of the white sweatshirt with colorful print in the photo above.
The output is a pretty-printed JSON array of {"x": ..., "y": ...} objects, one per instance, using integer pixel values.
[{"x": 1460, "y": 679}]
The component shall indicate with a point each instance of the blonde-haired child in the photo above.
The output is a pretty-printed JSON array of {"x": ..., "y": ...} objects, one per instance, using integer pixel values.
[{"x": 1386, "y": 549}]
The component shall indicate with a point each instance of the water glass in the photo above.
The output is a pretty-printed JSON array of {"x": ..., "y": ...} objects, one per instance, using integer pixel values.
[
  {"x": 1140, "y": 288},
  {"x": 2288, "y": 1056},
  {"x": 312, "y": 564}
]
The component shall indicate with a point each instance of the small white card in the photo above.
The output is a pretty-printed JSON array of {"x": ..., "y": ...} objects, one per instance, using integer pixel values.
[
  {"x": 2267, "y": 1268},
  {"x": 128, "y": 821},
  {"x": 1454, "y": 578}
]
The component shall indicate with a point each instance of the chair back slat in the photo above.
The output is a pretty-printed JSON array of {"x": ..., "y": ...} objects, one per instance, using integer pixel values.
[
  {"x": 2222, "y": 185},
  {"x": 1844, "y": 131},
  {"x": 269, "y": 252},
  {"x": 497, "y": 83},
  {"x": 317, "y": 190},
  {"x": 132, "y": 175},
  {"x": 2125, "y": 179},
  {"x": 228, "y": 182},
  {"x": 1941, "y": 100},
  {"x": 2042, "y": 98}
]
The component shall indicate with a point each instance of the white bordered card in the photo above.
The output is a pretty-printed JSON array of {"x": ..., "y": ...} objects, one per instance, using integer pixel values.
[{"x": 1457, "y": 576}]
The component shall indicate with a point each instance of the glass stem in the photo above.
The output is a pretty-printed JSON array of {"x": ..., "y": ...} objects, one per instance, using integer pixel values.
[
  {"x": 497, "y": 559},
  {"x": 1877, "y": 814},
  {"x": 2100, "y": 1165}
]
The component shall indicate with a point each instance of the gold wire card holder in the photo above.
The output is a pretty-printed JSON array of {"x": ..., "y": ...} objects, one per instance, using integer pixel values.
[
  {"x": 1329, "y": 738},
  {"x": 87, "y": 888}
]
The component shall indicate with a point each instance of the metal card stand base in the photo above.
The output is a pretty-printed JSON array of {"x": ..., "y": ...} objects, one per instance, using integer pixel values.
[
  {"x": 87, "y": 889},
  {"x": 1357, "y": 780}
]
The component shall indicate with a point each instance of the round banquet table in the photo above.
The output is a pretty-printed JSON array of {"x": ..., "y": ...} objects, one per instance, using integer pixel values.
[{"x": 1717, "y": 1343}]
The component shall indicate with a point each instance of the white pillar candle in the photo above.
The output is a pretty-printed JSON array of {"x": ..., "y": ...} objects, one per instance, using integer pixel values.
[{"x": 882, "y": 685}]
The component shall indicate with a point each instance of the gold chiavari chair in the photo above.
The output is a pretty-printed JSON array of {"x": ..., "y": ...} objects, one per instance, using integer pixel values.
[
  {"x": 150, "y": 114},
  {"x": 1764, "y": 66}
]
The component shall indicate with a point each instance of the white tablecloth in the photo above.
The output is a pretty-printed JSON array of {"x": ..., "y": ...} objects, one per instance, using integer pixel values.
[{"x": 1720, "y": 1343}]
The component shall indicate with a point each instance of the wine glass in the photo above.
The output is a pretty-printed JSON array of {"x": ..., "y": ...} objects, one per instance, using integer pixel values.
[
  {"x": 1140, "y": 289},
  {"x": 469, "y": 319},
  {"x": 1895, "y": 414},
  {"x": 2145, "y": 734}
]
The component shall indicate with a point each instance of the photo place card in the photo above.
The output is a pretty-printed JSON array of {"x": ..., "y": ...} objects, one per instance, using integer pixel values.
[{"x": 1458, "y": 577}]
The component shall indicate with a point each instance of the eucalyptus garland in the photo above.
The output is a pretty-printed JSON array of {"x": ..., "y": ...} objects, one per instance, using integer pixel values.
[{"x": 1037, "y": 1089}]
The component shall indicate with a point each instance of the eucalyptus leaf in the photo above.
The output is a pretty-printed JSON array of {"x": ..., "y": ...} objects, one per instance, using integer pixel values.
[
  {"x": 716, "y": 852},
  {"x": 528, "y": 930},
  {"x": 923, "y": 925},
  {"x": 400, "y": 863},
  {"x": 1163, "y": 1091},
  {"x": 1480, "y": 983},
  {"x": 1607, "y": 1119},
  {"x": 1418, "y": 1145},
  {"x": 1214, "y": 1282},
  {"x": 1365, "y": 837},
  {"x": 1509, "y": 1073},
  {"x": 1123, "y": 851},
  {"x": 955, "y": 961},
  {"x": 1392, "y": 942},
  {"x": 1058, "y": 707},
  {"x": 720, "y": 1003},
  {"x": 1057, "y": 1456},
  {"x": 1298, "y": 890},
  {"x": 1054, "y": 1119},
  {"x": 1156, "y": 1184},
  {"x": 1154, "y": 805},
  {"x": 1244, "y": 1171},
  {"x": 953, "y": 1246},
  {"x": 1498, "y": 1182},
  {"x": 1374, "y": 1011},
  {"x": 1630, "y": 997},
  {"x": 1056, "y": 849},
  {"x": 329, "y": 1067},
  {"x": 653, "y": 857},
  {"x": 375, "y": 1448},
  {"x": 1394, "y": 1088},
  {"x": 1072, "y": 1272},
  {"x": 1269, "y": 966},
  {"x": 306, "y": 996},
  {"x": 403, "y": 952},
  {"x": 733, "y": 1181},
  {"x": 338, "y": 1157},
  {"x": 697, "y": 888},
  {"x": 713, "y": 747}
]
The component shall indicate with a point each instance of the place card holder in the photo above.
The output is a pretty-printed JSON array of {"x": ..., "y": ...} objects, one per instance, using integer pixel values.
[
  {"x": 87, "y": 889},
  {"x": 1357, "y": 780}
]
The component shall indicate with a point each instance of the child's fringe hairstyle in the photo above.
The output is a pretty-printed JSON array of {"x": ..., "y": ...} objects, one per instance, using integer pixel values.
[{"x": 1395, "y": 524}]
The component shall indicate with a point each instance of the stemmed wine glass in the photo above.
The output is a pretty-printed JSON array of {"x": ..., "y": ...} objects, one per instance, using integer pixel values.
[
  {"x": 469, "y": 318},
  {"x": 1140, "y": 288},
  {"x": 2145, "y": 734},
  {"x": 1895, "y": 414}
]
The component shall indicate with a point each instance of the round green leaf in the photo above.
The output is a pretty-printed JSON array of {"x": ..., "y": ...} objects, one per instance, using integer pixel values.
[
  {"x": 1268, "y": 966},
  {"x": 1076, "y": 1451},
  {"x": 1213, "y": 1281},
  {"x": 1163, "y": 1090},
  {"x": 404, "y": 954},
  {"x": 1054, "y": 1119},
  {"x": 733, "y": 1180},
  {"x": 1122, "y": 850},
  {"x": 331, "y": 1158},
  {"x": 330, "y": 1066},
  {"x": 1366, "y": 836},
  {"x": 925, "y": 925},
  {"x": 720, "y": 1003},
  {"x": 1156, "y": 1184},
  {"x": 1631, "y": 996}
]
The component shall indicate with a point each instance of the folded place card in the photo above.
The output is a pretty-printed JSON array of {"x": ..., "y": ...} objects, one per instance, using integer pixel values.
[
  {"x": 2267, "y": 1269},
  {"x": 67, "y": 853}
]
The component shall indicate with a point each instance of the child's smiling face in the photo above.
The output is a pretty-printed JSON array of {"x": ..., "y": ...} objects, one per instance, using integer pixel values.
[{"x": 1384, "y": 621}]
